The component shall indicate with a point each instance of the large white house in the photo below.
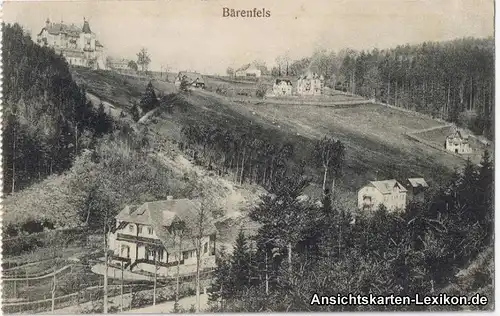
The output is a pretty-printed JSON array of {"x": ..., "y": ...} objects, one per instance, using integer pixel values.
[
  {"x": 78, "y": 45},
  {"x": 150, "y": 235},
  {"x": 389, "y": 193}
]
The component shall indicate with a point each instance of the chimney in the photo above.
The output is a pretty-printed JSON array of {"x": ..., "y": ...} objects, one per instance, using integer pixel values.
[{"x": 170, "y": 198}]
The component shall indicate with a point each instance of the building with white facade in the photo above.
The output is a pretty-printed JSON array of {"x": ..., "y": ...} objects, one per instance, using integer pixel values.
[
  {"x": 78, "y": 44},
  {"x": 310, "y": 84},
  {"x": 161, "y": 234},
  {"x": 458, "y": 143},
  {"x": 282, "y": 87},
  {"x": 389, "y": 193}
]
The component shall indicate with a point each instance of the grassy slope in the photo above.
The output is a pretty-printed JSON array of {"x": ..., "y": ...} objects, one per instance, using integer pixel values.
[{"x": 373, "y": 134}]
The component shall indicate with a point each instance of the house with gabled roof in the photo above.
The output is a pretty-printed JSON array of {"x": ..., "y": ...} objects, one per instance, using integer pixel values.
[
  {"x": 458, "y": 142},
  {"x": 160, "y": 234},
  {"x": 416, "y": 189},
  {"x": 389, "y": 193},
  {"x": 282, "y": 87},
  {"x": 248, "y": 70},
  {"x": 193, "y": 79}
]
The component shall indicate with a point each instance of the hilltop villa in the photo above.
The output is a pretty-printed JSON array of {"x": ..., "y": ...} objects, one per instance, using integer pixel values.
[
  {"x": 77, "y": 44},
  {"x": 150, "y": 235},
  {"x": 310, "y": 84},
  {"x": 458, "y": 143},
  {"x": 282, "y": 87},
  {"x": 389, "y": 193},
  {"x": 194, "y": 79}
]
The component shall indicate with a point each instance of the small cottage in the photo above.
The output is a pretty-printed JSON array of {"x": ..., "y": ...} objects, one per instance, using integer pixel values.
[
  {"x": 194, "y": 79},
  {"x": 416, "y": 189}
]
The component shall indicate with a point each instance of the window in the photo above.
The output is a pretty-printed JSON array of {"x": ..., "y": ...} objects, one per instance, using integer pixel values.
[
  {"x": 131, "y": 228},
  {"x": 150, "y": 230},
  {"x": 139, "y": 229},
  {"x": 160, "y": 254},
  {"x": 205, "y": 248},
  {"x": 125, "y": 251},
  {"x": 185, "y": 255}
]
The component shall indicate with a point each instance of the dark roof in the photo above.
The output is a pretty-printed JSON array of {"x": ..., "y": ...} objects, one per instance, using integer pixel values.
[
  {"x": 418, "y": 182},
  {"x": 86, "y": 27},
  {"x": 192, "y": 76},
  {"x": 162, "y": 214},
  {"x": 61, "y": 28},
  {"x": 278, "y": 81},
  {"x": 386, "y": 186},
  {"x": 244, "y": 67}
]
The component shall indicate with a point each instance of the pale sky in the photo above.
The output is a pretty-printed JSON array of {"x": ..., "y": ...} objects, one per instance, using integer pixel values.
[{"x": 192, "y": 34}]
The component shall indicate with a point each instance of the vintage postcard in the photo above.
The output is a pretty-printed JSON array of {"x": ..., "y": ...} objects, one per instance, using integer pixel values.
[{"x": 214, "y": 156}]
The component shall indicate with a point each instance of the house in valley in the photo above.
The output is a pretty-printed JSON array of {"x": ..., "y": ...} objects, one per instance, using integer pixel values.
[
  {"x": 282, "y": 87},
  {"x": 458, "y": 142},
  {"x": 161, "y": 234},
  {"x": 310, "y": 84},
  {"x": 194, "y": 79},
  {"x": 416, "y": 189},
  {"x": 389, "y": 193}
]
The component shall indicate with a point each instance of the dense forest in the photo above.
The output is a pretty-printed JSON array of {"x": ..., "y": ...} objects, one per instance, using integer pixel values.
[
  {"x": 303, "y": 248},
  {"x": 450, "y": 80},
  {"x": 48, "y": 119}
]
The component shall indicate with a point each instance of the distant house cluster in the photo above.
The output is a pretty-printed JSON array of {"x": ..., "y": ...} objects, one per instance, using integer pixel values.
[
  {"x": 248, "y": 71},
  {"x": 151, "y": 235},
  {"x": 307, "y": 85},
  {"x": 78, "y": 45},
  {"x": 458, "y": 143},
  {"x": 391, "y": 194},
  {"x": 194, "y": 79}
]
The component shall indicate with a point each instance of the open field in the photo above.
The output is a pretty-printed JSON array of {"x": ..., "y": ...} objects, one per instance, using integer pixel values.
[{"x": 373, "y": 135}]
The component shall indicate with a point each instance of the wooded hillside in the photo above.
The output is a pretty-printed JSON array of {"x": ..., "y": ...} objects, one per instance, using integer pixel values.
[
  {"x": 47, "y": 117},
  {"x": 451, "y": 80}
]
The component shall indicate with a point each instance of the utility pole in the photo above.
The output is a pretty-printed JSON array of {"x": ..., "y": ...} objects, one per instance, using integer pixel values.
[
  {"x": 121, "y": 291},
  {"x": 156, "y": 272},
  {"x": 105, "y": 289},
  {"x": 54, "y": 287},
  {"x": 267, "y": 276},
  {"x": 178, "y": 272},
  {"x": 54, "y": 291}
]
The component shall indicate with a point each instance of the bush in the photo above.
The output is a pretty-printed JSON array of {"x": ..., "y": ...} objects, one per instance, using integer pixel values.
[{"x": 261, "y": 91}]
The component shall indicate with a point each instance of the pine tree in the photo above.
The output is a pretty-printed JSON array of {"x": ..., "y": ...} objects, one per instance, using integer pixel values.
[
  {"x": 240, "y": 265},
  {"x": 135, "y": 112},
  {"x": 102, "y": 122},
  {"x": 149, "y": 100},
  {"x": 221, "y": 288}
]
